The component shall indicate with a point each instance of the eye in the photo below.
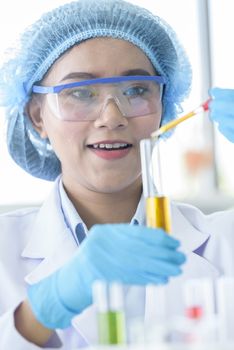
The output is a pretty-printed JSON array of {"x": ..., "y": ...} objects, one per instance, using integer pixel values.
[
  {"x": 136, "y": 91},
  {"x": 82, "y": 93}
]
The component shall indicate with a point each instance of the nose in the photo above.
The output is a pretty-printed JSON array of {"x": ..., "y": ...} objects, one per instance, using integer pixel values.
[{"x": 111, "y": 116}]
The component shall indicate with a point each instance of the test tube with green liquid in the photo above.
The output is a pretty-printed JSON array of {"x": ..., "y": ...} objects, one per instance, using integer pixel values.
[{"x": 110, "y": 313}]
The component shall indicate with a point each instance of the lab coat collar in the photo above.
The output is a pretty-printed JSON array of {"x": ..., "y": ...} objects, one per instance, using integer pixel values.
[
  {"x": 190, "y": 237},
  {"x": 53, "y": 247},
  {"x": 43, "y": 238},
  {"x": 71, "y": 215},
  {"x": 139, "y": 216}
]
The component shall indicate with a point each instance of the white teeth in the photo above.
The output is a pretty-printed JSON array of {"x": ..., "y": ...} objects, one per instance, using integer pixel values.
[{"x": 110, "y": 145}]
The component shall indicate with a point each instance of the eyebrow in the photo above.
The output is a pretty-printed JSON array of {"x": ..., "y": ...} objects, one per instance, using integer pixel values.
[
  {"x": 136, "y": 72},
  {"x": 84, "y": 75}
]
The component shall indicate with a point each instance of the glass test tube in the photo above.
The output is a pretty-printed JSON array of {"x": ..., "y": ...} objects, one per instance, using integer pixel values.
[
  {"x": 200, "y": 311},
  {"x": 157, "y": 204},
  {"x": 110, "y": 313},
  {"x": 199, "y": 298},
  {"x": 225, "y": 308},
  {"x": 157, "y": 316}
]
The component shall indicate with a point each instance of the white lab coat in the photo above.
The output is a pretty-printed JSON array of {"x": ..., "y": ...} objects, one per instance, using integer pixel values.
[{"x": 35, "y": 242}]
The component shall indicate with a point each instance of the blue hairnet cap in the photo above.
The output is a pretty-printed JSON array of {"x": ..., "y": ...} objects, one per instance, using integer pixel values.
[{"x": 58, "y": 30}]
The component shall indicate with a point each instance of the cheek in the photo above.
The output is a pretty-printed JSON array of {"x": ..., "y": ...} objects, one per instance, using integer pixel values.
[
  {"x": 144, "y": 126},
  {"x": 63, "y": 136}
]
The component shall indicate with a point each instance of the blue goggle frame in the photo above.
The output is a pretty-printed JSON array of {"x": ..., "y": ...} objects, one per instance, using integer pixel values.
[{"x": 58, "y": 88}]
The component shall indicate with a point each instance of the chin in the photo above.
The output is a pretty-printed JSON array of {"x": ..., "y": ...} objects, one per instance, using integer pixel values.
[
  {"x": 114, "y": 186},
  {"x": 109, "y": 189}
]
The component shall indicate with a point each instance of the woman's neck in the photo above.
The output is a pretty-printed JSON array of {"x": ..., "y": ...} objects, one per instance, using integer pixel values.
[{"x": 99, "y": 208}]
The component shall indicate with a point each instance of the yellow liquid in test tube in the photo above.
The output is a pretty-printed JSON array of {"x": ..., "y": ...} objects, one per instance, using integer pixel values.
[
  {"x": 158, "y": 213},
  {"x": 157, "y": 204}
]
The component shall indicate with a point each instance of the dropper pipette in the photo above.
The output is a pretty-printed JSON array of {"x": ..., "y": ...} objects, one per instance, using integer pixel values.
[{"x": 203, "y": 107}]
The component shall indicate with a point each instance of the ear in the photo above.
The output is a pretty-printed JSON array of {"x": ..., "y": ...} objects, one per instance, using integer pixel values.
[{"x": 34, "y": 112}]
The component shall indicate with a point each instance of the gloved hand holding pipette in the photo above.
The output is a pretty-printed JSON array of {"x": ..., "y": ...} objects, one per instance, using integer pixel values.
[
  {"x": 222, "y": 111},
  {"x": 130, "y": 254}
]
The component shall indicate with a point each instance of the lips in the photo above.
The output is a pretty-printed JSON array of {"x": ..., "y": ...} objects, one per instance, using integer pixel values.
[{"x": 110, "y": 150}]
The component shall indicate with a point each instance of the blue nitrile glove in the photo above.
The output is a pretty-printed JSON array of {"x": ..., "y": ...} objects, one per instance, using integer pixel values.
[
  {"x": 222, "y": 111},
  {"x": 115, "y": 252}
]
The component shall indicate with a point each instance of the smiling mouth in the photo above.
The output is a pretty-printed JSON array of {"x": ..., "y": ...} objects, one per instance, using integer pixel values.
[{"x": 110, "y": 146}]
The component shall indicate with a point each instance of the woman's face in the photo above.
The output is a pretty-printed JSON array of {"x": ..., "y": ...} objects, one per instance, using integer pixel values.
[{"x": 74, "y": 142}]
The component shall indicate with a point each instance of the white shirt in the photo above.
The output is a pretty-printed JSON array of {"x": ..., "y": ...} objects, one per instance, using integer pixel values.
[{"x": 77, "y": 226}]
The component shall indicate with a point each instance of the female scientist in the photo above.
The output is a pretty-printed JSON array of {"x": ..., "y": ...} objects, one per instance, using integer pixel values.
[{"x": 86, "y": 83}]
